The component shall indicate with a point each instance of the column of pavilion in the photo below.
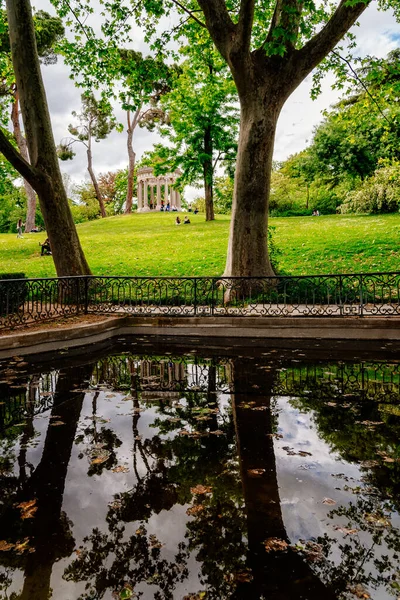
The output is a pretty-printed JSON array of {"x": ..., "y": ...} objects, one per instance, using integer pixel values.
[{"x": 171, "y": 195}]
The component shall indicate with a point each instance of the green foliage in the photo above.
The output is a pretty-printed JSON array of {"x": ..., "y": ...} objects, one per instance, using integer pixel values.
[
  {"x": 223, "y": 194},
  {"x": 201, "y": 119},
  {"x": 85, "y": 206},
  {"x": 377, "y": 194}
]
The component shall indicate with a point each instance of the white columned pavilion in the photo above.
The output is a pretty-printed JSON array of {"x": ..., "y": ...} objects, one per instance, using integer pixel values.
[{"x": 165, "y": 193}]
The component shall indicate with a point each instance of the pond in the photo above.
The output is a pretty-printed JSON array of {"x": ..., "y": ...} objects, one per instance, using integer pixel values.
[{"x": 146, "y": 473}]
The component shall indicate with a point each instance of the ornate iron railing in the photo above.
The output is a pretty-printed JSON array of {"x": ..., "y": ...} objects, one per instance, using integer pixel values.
[{"x": 31, "y": 300}]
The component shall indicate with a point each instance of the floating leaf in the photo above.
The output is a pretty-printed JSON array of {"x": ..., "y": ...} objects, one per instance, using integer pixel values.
[
  {"x": 154, "y": 542},
  {"x": 57, "y": 423},
  {"x": 194, "y": 510},
  {"x": 28, "y": 509},
  {"x": 275, "y": 545},
  {"x": 378, "y": 520},
  {"x": 5, "y": 546},
  {"x": 328, "y": 501},
  {"x": 201, "y": 489},
  {"x": 120, "y": 469},
  {"x": 345, "y": 530},
  {"x": 255, "y": 472}
]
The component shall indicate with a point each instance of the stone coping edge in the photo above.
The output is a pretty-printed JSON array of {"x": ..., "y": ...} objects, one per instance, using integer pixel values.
[{"x": 349, "y": 328}]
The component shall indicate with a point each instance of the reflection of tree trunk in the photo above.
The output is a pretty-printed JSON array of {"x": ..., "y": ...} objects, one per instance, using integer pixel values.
[
  {"x": 23, "y": 148},
  {"x": 208, "y": 173},
  {"x": 51, "y": 536},
  {"x": 29, "y": 430},
  {"x": 276, "y": 575}
]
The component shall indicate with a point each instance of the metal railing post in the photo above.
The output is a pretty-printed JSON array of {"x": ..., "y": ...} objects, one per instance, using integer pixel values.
[
  {"x": 86, "y": 299},
  {"x": 361, "y": 297},
  {"x": 195, "y": 297}
]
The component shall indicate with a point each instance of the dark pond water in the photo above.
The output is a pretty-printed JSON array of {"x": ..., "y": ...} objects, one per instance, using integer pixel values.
[{"x": 139, "y": 474}]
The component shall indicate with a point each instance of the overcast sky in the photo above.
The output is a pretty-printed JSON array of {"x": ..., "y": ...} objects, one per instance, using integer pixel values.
[{"x": 378, "y": 34}]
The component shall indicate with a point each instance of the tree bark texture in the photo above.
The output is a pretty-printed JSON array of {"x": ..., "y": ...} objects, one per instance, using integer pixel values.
[
  {"x": 208, "y": 174},
  {"x": 23, "y": 148},
  {"x": 131, "y": 165},
  {"x": 44, "y": 173},
  {"x": 247, "y": 249},
  {"x": 98, "y": 193}
]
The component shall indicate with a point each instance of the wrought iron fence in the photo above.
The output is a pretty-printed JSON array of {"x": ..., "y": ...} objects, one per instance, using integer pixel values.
[{"x": 32, "y": 300}]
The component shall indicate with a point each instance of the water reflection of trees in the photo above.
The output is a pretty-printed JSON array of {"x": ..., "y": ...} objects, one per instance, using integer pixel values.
[{"x": 199, "y": 440}]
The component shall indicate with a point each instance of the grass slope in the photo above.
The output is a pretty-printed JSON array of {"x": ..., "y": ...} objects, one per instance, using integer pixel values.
[{"x": 152, "y": 245}]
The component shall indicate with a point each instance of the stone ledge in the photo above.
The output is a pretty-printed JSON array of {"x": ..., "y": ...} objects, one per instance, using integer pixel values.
[{"x": 79, "y": 334}]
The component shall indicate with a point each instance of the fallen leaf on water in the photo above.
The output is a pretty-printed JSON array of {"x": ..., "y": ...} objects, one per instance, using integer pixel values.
[
  {"x": 138, "y": 438},
  {"x": 328, "y": 501},
  {"x": 28, "y": 509},
  {"x": 198, "y": 596},
  {"x": 359, "y": 591},
  {"x": 377, "y": 520},
  {"x": 154, "y": 542},
  {"x": 120, "y": 469},
  {"x": 275, "y": 545},
  {"x": 304, "y": 453},
  {"x": 5, "y": 546},
  {"x": 57, "y": 423},
  {"x": 100, "y": 456},
  {"x": 194, "y": 510},
  {"x": 22, "y": 547},
  {"x": 345, "y": 530},
  {"x": 173, "y": 419},
  {"x": 255, "y": 472},
  {"x": 201, "y": 489},
  {"x": 216, "y": 432}
]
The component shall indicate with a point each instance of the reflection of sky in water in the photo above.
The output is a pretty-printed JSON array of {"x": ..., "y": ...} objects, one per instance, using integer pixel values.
[{"x": 304, "y": 482}]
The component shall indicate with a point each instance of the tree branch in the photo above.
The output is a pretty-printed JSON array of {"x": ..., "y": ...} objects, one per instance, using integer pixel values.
[
  {"x": 322, "y": 43},
  {"x": 219, "y": 24},
  {"x": 26, "y": 170},
  {"x": 245, "y": 23},
  {"x": 360, "y": 81},
  {"x": 189, "y": 12},
  {"x": 274, "y": 22}
]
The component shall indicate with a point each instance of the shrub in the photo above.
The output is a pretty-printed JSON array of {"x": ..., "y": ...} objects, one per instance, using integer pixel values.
[{"x": 377, "y": 194}]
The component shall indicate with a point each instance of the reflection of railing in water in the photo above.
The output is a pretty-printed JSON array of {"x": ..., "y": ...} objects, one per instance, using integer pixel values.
[{"x": 169, "y": 374}]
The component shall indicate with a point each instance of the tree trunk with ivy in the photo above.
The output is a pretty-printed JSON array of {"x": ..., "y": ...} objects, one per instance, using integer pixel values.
[{"x": 43, "y": 173}]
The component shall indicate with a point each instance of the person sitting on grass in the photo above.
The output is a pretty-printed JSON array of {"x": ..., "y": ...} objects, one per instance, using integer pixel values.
[
  {"x": 186, "y": 221},
  {"x": 177, "y": 221},
  {"x": 46, "y": 248}
]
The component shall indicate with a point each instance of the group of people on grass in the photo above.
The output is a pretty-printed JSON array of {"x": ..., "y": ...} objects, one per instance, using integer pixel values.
[{"x": 186, "y": 221}]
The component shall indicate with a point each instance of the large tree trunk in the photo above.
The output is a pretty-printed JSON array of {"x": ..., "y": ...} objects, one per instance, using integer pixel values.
[
  {"x": 247, "y": 249},
  {"x": 23, "y": 148},
  {"x": 131, "y": 168},
  {"x": 44, "y": 172},
  {"x": 276, "y": 575},
  {"x": 98, "y": 193},
  {"x": 208, "y": 174}
]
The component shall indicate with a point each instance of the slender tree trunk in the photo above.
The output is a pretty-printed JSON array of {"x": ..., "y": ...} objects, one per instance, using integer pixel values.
[
  {"x": 44, "y": 172},
  {"x": 247, "y": 249},
  {"x": 208, "y": 174},
  {"x": 23, "y": 148},
  {"x": 98, "y": 193},
  {"x": 131, "y": 165}
]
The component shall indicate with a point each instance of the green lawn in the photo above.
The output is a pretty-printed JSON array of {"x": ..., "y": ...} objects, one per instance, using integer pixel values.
[{"x": 151, "y": 245}]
